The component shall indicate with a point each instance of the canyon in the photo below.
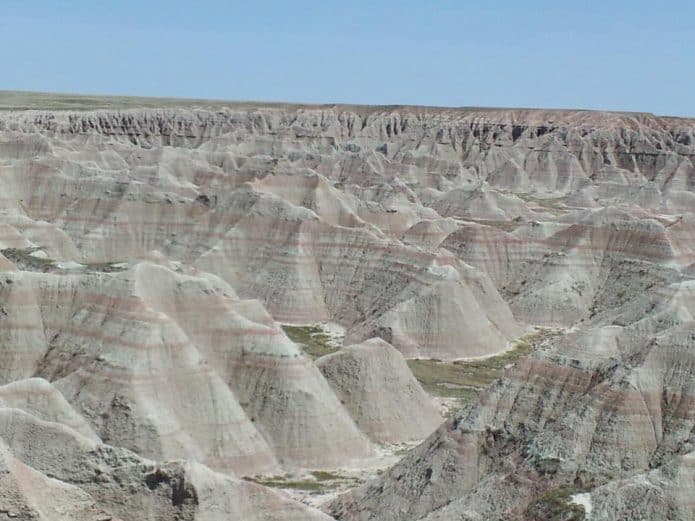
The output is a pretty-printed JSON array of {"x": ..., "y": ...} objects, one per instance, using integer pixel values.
[{"x": 215, "y": 310}]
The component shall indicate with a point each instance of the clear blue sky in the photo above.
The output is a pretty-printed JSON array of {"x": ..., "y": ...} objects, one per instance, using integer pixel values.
[{"x": 620, "y": 55}]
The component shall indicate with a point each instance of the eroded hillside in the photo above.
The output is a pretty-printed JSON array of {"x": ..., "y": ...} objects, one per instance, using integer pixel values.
[{"x": 155, "y": 260}]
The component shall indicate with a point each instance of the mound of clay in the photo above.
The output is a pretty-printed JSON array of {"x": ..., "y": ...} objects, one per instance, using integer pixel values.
[
  {"x": 374, "y": 383},
  {"x": 38, "y": 397}
]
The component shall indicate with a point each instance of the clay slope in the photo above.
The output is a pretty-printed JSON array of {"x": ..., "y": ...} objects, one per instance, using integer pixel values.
[
  {"x": 89, "y": 480},
  {"x": 602, "y": 404},
  {"x": 131, "y": 353},
  {"x": 374, "y": 383},
  {"x": 244, "y": 202}
]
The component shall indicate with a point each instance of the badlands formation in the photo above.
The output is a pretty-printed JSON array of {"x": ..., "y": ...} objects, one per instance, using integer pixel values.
[{"x": 156, "y": 254}]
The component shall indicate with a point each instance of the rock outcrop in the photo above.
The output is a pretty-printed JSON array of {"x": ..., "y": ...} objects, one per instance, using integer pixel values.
[
  {"x": 591, "y": 411},
  {"x": 89, "y": 480}
]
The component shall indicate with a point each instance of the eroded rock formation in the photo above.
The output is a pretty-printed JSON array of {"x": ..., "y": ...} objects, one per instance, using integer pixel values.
[{"x": 149, "y": 256}]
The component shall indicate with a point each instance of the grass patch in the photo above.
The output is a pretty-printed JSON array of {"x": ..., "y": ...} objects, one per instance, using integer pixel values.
[
  {"x": 550, "y": 203},
  {"x": 324, "y": 475},
  {"x": 307, "y": 485},
  {"x": 445, "y": 379},
  {"x": 312, "y": 339},
  {"x": 24, "y": 260},
  {"x": 104, "y": 267},
  {"x": 464, "y": 380},
  {"x": 319, "y": 482},
  {"x": 555, "y": 505}
]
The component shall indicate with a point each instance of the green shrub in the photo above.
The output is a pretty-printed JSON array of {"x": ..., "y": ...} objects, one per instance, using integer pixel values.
[{"x": 312, "y": 339}]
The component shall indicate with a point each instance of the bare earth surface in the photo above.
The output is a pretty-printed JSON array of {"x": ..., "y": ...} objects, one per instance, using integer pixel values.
[{"x": 214, "y": 311}]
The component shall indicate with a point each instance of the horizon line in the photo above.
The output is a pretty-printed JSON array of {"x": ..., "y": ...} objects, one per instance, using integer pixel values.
[{"x": 110, "y": 100}]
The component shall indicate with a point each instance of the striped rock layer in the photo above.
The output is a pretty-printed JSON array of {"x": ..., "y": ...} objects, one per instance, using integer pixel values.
[{"x": 147, "y": 257}]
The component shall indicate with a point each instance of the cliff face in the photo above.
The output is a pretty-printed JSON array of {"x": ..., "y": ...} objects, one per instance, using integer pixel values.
[{"x": 149, "y": 254}]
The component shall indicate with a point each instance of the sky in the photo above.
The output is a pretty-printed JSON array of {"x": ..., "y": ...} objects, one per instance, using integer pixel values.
[{"x": 610, "y": 55}]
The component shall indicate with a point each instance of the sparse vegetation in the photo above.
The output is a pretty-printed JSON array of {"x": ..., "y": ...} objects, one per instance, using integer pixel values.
[
  {"x": 104, "y": 267},
  {"x": 463, "y": 380},
  {"x": 319, "y": 482},
  {"x": 550, "y": 203},
  {"x": 24, "y": 260},
  {"x": 312, "y": 339},
  {"x": 308, "y": 485},
  {"x": 555, "y": 505},
  {"x": 325, "y": 475},
  {"x": 445, "y": 379}
]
